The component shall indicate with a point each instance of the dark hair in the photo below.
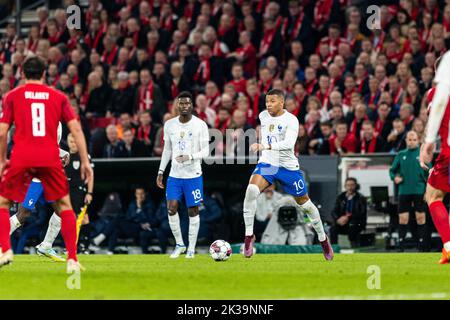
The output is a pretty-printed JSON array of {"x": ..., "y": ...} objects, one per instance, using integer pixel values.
[
  {"x": 275, "y": 92},
  {"x": 224, "y": 109},
  {"x": 383, "y": 103},
  {"x": 127, "y": 128},
  {"x": 326, "y": 123},
  {"x": 33, "y": 68},
  {"x": 341, "y": 122},
  {"x": 185, "y": 94},
  {"x": 355, "y": 181}
]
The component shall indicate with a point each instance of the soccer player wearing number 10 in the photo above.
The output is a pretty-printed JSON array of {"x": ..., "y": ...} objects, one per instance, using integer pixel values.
[
  {"x": 186, "y": 143},
  {"x": 35, "y": 109},
  {"x": 279, "y": 131}
]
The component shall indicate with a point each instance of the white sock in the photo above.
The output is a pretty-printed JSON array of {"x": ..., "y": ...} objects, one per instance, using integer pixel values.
[
  {"x": 54, "y": 226},
  {"x": 447, "y": 246},
  {"x": 99, "y": 239},
  {"x": 174, "y": 222},
  {"x": 313, "y": 213},
  {"x": 194, "y": 225},
  {"x": 15, "y": 224},
  {"x": 251, "y": 195}
]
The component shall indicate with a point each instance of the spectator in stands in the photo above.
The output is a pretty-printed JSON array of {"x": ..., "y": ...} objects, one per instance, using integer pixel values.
[
  {"x": 99, "y": 94},
  {"x": 419, "y": 127},
  {"x": 343, "y": 142},
  {"x": 322, "y": 145},
  {"x": 396, "y": 139},
  {"x": 133, "y": 147},
  {"x": 407, "y": 173},
  {"x": 239, "y": 146},
  {"x": 302, "y": 143},
  {"x": 371, "y": 142},
  {"x": 349, "y": 214},
  {"x": 125, "y": 122},
  {"x": 149, "y": 96},
  {"x": 147, "y": 129},
  {"x": 406, "y": 114},
  {"x": 204, "y": 112},
  {"x": 123, "y": 97},
  {"x": 64, "y": 84},
  {"x": 115, "y": 148},
  {"x": 312, "y": 122},
  {"x": 383, "y": 125},
  {"x": 179, "y": 81},
  {"x": 355, "y": 120}
]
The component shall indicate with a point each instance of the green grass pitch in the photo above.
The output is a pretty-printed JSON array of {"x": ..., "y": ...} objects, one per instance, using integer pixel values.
[{"x": 265, "y": 276}]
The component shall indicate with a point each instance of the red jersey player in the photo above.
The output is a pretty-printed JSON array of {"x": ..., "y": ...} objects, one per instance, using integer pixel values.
[
  {"x": 438, "y": 182},
  {"x": 35, "y": 109}
]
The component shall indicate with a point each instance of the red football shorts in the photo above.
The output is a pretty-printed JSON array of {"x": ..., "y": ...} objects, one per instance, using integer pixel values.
[
  {"x": 15, "y": 181},
  {"x": 439, "y": 176}
]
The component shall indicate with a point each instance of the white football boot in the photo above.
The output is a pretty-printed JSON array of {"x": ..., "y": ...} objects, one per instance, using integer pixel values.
[{"x": 179, "y": 249}]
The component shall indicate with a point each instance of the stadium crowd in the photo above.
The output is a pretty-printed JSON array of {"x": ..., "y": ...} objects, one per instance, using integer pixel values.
[{"x": 353, "y": 89}]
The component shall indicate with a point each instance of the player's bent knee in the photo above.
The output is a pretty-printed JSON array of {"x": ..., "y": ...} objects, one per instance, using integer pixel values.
[
  {"x": 252, "y": 192},
  {"x": 4, "y": 203},
  {"x": 432, "y": 195}
]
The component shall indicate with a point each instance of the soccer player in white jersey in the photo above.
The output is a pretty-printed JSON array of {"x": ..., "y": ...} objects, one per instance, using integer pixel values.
[
  {"x": 186, "y": 143},
  {"x": 279, "y": 131},
  {"x": 34, "y": 195}
]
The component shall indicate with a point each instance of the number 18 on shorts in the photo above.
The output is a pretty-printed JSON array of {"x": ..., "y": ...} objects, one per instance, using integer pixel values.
[{"x": 192, "y": 189}]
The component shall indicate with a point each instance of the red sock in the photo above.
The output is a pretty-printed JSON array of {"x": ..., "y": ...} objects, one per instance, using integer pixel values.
[
  {"x": 69, "y": 233},
  {"x": 5, "y": 240},
  {"x": 441, "y": 220}
]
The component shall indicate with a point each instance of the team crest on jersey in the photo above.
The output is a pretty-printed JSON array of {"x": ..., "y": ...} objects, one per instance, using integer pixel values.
[
  {"x": 182, "y": 134},
  {"x": 271, "y": 127},
  {"x": 280, "y": 127},
  {"x": 76, "y": 165}
]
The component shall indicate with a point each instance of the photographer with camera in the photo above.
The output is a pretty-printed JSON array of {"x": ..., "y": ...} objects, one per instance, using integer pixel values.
[{"x": 287, "y": 225}]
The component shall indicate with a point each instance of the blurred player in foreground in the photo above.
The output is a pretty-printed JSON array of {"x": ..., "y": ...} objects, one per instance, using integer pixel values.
[
  {"x": 279, "y": 131},
  {"x": 35, "y": 109},
  {"x": 438, "y": 181},
  {"x": 186, "y": 143}
]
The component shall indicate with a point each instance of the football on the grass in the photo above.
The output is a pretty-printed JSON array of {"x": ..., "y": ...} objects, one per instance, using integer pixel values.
[{"x": 220, "y": 250}]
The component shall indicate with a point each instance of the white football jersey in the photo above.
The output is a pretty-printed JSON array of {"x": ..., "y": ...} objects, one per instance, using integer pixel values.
[
  {"x": 281, "y": 133},
  {"x": 186, "y": 139}
]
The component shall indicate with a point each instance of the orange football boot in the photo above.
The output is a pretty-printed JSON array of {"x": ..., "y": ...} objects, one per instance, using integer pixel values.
[{"x": 445, "y": 257}]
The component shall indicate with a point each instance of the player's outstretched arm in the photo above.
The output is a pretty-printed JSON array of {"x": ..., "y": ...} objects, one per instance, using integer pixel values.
[
  {"x": 4, "y": 128},
  {"x": 86, "y": 169}
]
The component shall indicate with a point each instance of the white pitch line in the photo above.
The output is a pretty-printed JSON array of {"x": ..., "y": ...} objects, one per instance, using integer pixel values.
[{"x": 401, "y": 296}]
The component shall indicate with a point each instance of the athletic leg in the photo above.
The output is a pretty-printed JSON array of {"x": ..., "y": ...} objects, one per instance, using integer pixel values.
[
  {"x": 256, "y": 185},
  {"x": 439, "y": 214}
]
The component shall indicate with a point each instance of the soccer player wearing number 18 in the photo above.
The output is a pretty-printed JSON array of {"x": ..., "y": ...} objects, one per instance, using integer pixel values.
[
  {"x": 35, "y": 109},
  {"x": 279, "y": 131},
  {"x": 186, "y": 143}
]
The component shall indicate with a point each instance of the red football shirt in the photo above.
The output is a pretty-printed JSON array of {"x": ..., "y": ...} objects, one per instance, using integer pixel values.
[
  {"x": 444, "y": 128},
  {"x": 348, "y": 145},
  {"x": 35, "y": 110}
]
